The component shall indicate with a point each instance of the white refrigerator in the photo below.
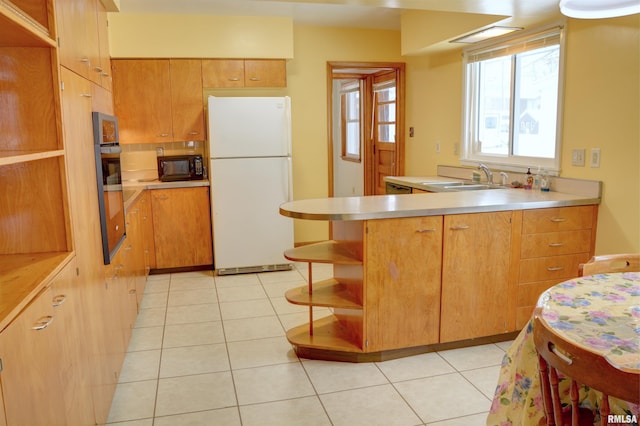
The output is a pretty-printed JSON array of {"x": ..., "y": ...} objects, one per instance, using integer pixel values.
[{"x": 250, "y": 172}]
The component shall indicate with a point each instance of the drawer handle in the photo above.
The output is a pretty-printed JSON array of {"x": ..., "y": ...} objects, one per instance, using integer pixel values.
[
  {"x": 558, "y": 219},
  {"x": 97, "y": 69},
  {"x": 556, "y": 244},
  {"x": 85, "y": 60},
  {"x": 234, "y": 79},
  {"x": 59, "y": 300},
  {"x": 254, "y": 79},
  {"x": 193, "y": 133},
  {"x": 133, "y": 291},
  {"x": 555, "y": 268},
  {"x": 163, "y": 135},
  {"x": 85, "y": 95},
  {"x": 422, "y": 231},
  {"x": 42, "y": 323},
  {"x": 460, "y": 227},
  {"x": 162, "y": 197}
]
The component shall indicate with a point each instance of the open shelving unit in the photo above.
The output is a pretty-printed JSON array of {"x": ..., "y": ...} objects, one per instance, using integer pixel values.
[
  {"x": 343, "y": 294},
  {"x": 34, "y": 210}
]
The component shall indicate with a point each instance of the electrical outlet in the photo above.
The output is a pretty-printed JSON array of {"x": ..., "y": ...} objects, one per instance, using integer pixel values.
[
  {"x": 595, "y": 157},
  {"x": 577, "y": 157},
  {"x": 438, "y": 146}
]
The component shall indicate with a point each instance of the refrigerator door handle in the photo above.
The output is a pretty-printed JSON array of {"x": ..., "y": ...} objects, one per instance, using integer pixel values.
[{"x": 290, "y": 175}]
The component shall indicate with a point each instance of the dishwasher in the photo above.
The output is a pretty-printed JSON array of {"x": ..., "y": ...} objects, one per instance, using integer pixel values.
[{"x": 394, "y": 188}]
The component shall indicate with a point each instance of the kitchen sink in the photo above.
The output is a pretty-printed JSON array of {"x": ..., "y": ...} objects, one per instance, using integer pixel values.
[{"x": 458, "y": 186}]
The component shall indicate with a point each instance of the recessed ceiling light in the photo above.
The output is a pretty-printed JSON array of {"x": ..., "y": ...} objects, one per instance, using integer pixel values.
[
  {"x": 596, "y": 9},
  {"x": 485, "y": 34}
]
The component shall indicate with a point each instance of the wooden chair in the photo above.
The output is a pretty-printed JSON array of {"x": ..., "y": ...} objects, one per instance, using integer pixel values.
[
  {"x": 580, "y": 367},
  {"x": 611, "y": 263}
]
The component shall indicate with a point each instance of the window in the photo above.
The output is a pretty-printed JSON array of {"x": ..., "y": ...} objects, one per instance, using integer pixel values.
[
  {"x": 513, "y": 103},
  {"x": 385, "y": 104},
  {"x": 351, "y": 118}
]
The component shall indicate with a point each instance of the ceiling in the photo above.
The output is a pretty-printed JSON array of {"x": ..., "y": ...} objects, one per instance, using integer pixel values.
[{"x": 375, "y": 14}]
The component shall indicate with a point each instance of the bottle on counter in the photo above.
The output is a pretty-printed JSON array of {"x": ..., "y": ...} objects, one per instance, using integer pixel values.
[
  {"x": 536, "y": 179},
  {"x": 545, "y": 184},
  {"x": 529, "y": 179}
]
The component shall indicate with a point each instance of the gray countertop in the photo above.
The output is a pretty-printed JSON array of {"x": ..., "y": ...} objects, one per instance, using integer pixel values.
[{"x": 429, "y": 204}]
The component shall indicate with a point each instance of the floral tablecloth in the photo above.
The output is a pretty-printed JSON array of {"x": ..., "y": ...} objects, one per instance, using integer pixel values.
[{"x": 599, "y": 312}]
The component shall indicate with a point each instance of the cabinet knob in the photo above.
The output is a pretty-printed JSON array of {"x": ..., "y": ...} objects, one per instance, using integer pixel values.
[{"x": 97, "y": 69}]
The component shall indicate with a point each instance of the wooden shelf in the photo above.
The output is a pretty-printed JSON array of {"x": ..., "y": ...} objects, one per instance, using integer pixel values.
[
  {"x": 328, "y": 293},
  {"x": 328, "y": 334},
  {"x": 15, "y": 157},
  {"x": 22, "y": 277},
  {"x": 17, "y": 28},
  {"x": 335, "y": 252}
]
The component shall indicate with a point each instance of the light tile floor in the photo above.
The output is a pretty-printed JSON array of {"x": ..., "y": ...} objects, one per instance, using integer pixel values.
[{"x": 212, "y": 351}]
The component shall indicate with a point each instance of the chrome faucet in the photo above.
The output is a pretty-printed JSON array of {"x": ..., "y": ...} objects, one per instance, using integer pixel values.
[
  {"x": 487, "y": 172},
  {"x": 505, "y": 178}
]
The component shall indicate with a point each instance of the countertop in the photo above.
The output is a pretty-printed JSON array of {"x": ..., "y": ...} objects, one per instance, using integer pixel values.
[
  {"x": 430, "y": 204},
  {"x": 133, "y": 189}
]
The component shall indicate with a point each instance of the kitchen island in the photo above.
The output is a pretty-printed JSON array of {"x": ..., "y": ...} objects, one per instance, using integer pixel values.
[{"x": 418, "y": 272}]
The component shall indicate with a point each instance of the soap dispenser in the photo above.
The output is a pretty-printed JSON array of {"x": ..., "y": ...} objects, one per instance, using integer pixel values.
[
  {"x": 529, "y": 181},
  {"x": 545, "y": 184}
]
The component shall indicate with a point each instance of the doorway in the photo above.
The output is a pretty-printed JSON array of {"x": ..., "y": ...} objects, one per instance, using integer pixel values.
[{"x": 366, "y": 126}]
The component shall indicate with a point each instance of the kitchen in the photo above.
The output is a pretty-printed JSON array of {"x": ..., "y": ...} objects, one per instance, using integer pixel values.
[{"x": 598, "y": 106}]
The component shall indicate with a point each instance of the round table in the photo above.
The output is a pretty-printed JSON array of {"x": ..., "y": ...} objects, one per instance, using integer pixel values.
[{"x": 599, "y": 312}]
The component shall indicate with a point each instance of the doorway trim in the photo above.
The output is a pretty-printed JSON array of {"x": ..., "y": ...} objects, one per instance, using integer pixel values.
[{"x": 354, "y": 69}]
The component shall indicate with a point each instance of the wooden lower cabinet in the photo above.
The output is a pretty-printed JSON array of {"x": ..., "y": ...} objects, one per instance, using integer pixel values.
[
  {"x": 475, "y": 276},
  {"x": 402, "y": 278},
  {"x": 182, "y": 227},
  {"x": 44, "y": 361},
  {"x": 554, "y": 244}
]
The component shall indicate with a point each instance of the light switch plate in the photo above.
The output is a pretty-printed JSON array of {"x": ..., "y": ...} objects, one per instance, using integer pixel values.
[
  {"x": 595, "y": 157},
  {"x": 577, "y": 157}
]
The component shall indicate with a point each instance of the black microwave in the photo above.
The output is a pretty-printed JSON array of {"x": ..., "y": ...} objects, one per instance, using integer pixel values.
[{"x": 180, "y": 167}]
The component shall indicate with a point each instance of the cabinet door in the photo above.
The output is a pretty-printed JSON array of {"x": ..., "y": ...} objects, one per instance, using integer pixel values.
[
  {"x": 402, "y": 282},
  {"x": 218, "y": 73},
  {"x": 104, "y": 65},
  {"x": 134, "y": 253},
  {"x": 78, "y": 37},
  {"x": 147, "y": 231},
  {"x": 74, "y": 366},
  {"x": 104, "y": 338},
  {"x": 475, "y": 276},
  {"x": 30, "y": 354},
  {"x": 182, "y": 227},
  {"x": 187, "y": 100},
  {"x": 265, "y": 73},
  {"x": 142, "y": 100}
]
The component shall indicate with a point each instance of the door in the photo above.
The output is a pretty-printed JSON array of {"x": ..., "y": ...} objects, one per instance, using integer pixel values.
[
  {"x": 248, "y": 229},
  {"x": 381, "y": 121}
]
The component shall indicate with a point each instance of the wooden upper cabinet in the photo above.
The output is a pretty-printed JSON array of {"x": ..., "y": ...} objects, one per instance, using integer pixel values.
[
  {"x": 142, "y": 100},
  {"x": 104, "y": 65},
  {"x": 78, "y": 37},
  {"x": 265, "y": 73},
  {"x": 187, "y": 104},
  {"x": 222, "y": 73},
  {"x": 158, "y": 100}
]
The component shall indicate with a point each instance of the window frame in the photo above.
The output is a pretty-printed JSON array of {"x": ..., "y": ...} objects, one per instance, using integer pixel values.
[
  {"x": 347, "y": 88},
  {"x": 518, "y": 44}
]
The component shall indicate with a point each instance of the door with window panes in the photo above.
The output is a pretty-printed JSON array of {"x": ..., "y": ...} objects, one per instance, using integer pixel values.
[{"x": 384, "y": 129}]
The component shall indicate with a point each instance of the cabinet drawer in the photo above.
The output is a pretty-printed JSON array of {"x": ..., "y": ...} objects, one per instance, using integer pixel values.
[
  {"x": 557, "y": 219},
  {"x": 555, "y": 243},
  {"x": 551, "y": 268}
]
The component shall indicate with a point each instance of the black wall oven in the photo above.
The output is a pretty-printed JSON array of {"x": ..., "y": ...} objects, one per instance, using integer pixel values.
[{"x": 109, "y": 178}]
